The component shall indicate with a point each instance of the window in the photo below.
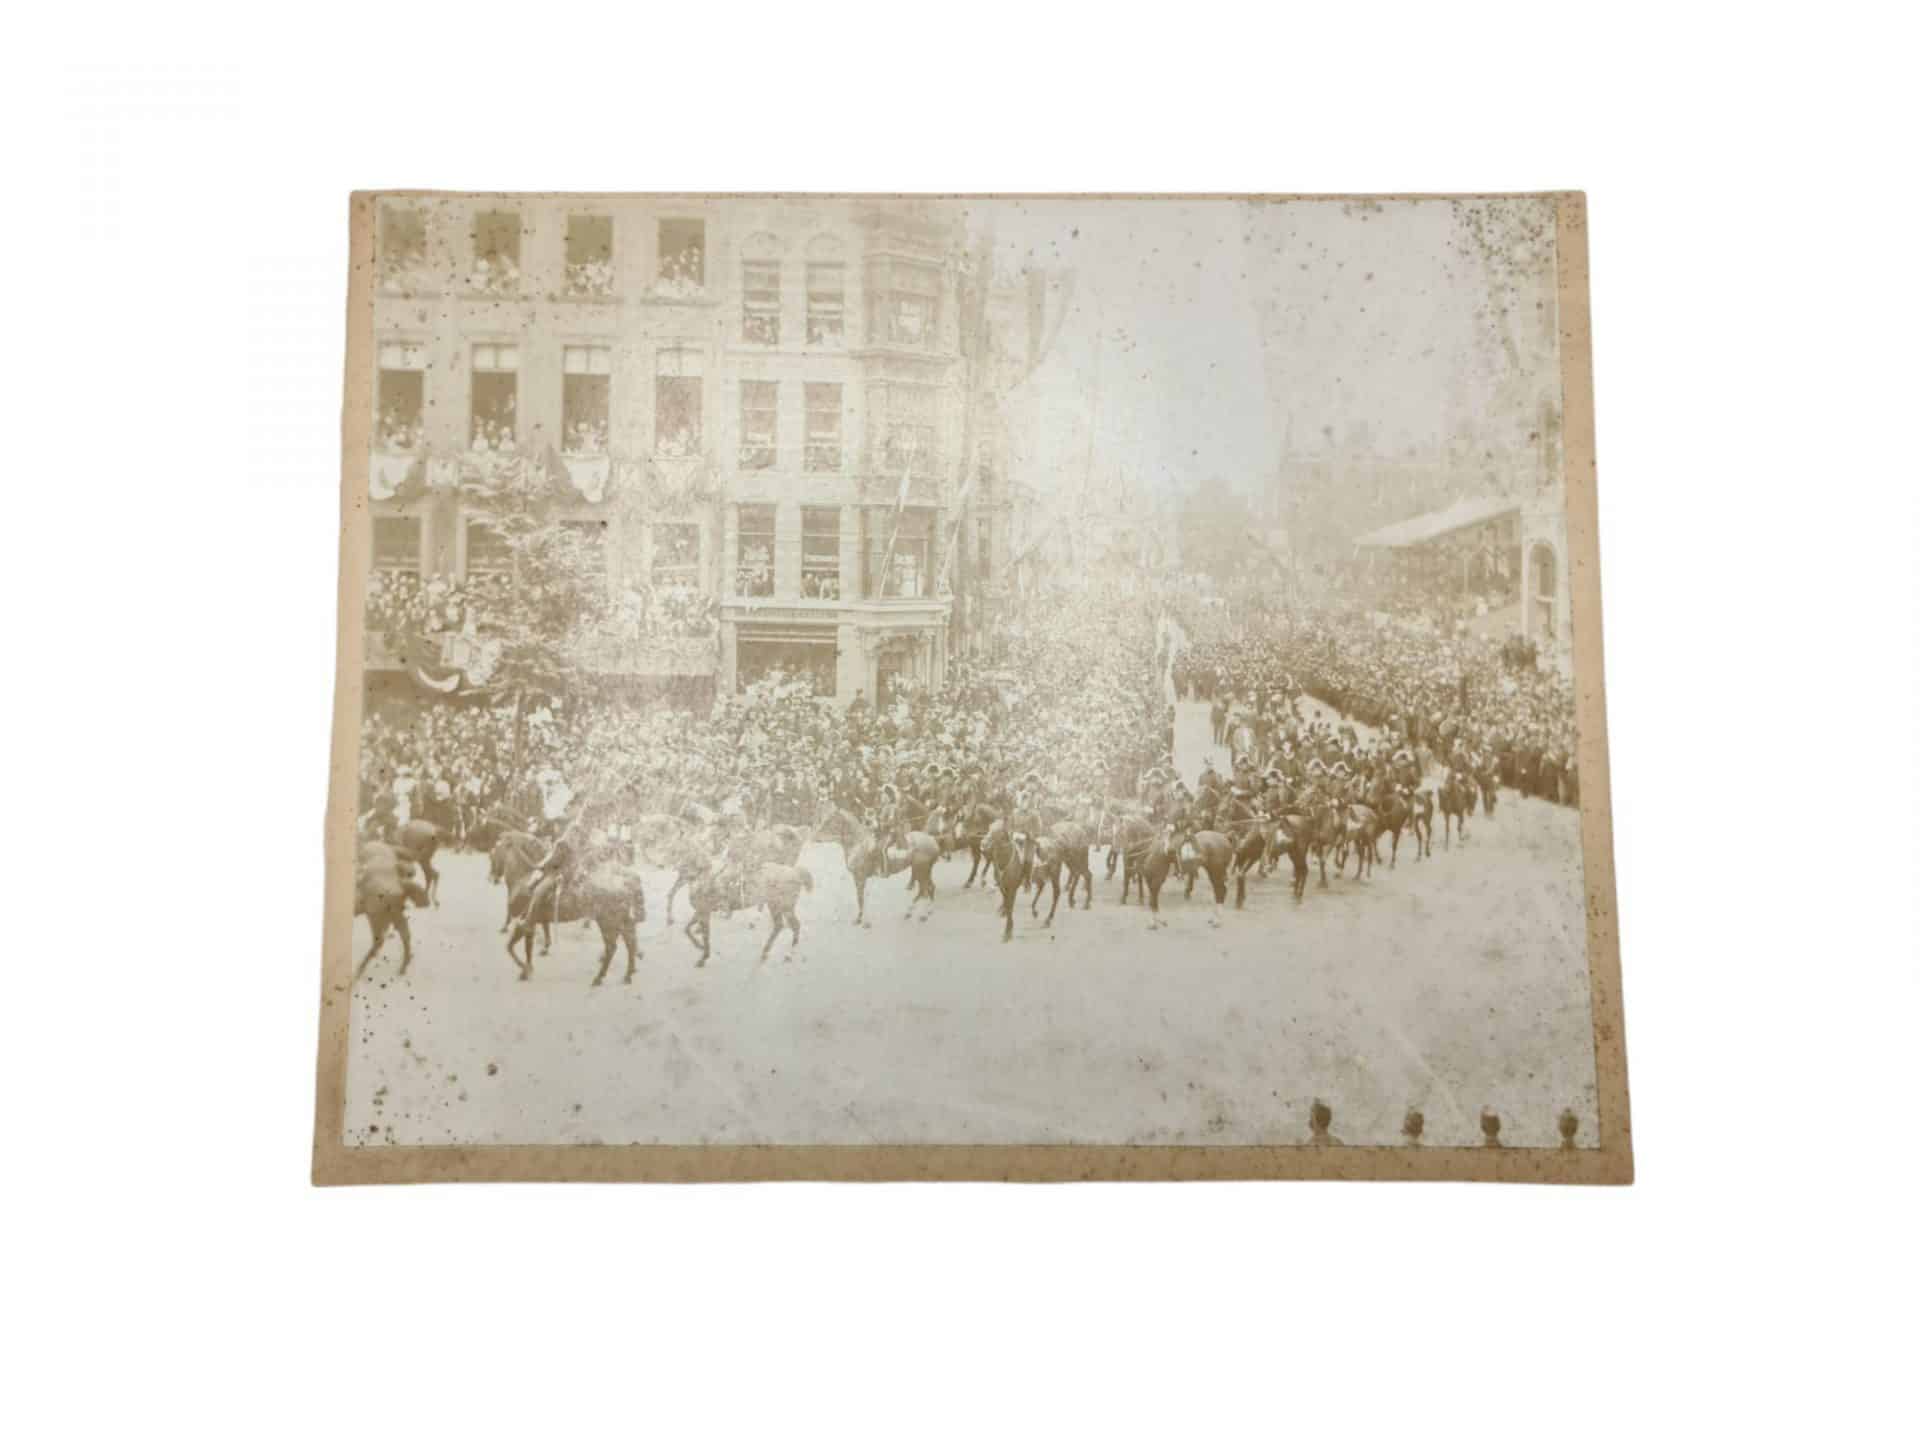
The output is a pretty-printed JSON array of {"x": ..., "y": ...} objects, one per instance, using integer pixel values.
[
  {"x": 593, "y": 542},
  {"x": 589, "y": 256},
  {"x": 496, "y": 253},
  {"x": 676, "y": 555},
  {"x": 753, "y": 562},
  {"x": 983, "y": 549},
  {"x": 396, "y": 544},
  {"x": 760, "y": 302},
  {"x": 759, "y": 420},
  {"x": 908, "y": 432},
  {"x": 908, "y": 575},
  {"x": 826, "y": 303},
  {"x": 676, "y": 404},
  {"x": 820, "y": 553},
  {"x": 585, "y": 398},
  {"x": 496, "y": 393},
  {"x": 823, "y": 427},
  {"x": 487, "y": 551},
  {"x": 683, "y": 257},
  {"x": 403, "y": 247},
  {"x": 905, "y": 303},
  {"x": 402, "y": 396},
  {"x": 1544, "y": 582}
]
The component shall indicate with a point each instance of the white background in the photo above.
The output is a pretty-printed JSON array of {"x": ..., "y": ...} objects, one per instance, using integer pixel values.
[{"x": 179, "y": 204}]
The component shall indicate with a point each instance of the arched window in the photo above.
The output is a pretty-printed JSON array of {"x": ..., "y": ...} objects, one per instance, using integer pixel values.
[{"x": 1546, "y": 582}]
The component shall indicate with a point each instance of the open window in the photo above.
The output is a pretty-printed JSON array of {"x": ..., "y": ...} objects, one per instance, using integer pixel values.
[
  {"x": 760, "y": 302},
  {"x": 496, "y": 397},
  {"x": 904, "y": 306},
  {"x": 589, "y": 256},
  {"x": 823, "y": 427},
  {"x": 826, "y": 302},
  {"x": 403, "y": 247},
  {"x": 683, "y": 257},
  {"x": 908, "y": 433},
  {"x": 585, "y": 399},
  {"x": 496, "y": 253},
  {"x": 908, "y": 571},
  {"x": 759, "y": 421},
  {"x": 677, "y": 418},
  {"x": 401, "y": 400},
  {"x": 820, "y": 552},
  {"x": 676, "y": 556},
  {"x": 753, "y": 560}
]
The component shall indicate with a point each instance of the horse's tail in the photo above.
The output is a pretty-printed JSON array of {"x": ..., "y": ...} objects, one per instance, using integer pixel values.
[{"x": 806, "y": 877}]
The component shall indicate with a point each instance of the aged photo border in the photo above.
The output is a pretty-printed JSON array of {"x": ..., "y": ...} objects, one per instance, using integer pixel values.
[{"x": 1610, "y": 1163}]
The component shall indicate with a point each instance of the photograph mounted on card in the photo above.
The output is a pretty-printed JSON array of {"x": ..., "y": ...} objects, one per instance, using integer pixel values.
[{"x": 969, "y": 688}]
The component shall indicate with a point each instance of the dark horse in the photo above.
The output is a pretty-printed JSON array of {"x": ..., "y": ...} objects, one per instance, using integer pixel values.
[
  {"x": 509, "y": 863},
  {"x": 383, "y": 884},
  {"x": 1212, "y": 852},
  {"x": 608, "y": 894},
  {"x": 971, "y": 827},
  {"x": 1064, "y": 846},
  {"x": 1456, "y": 803},
  {"x": 1011, "y": 856},
  {"x": 421, "y": 841}
]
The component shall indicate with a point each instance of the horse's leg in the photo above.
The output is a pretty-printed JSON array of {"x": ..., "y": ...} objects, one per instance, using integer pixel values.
[
  {"x": 793, "y": 924},
  {"x": 379, "y": 926},
  {"x": 678, "y": 881},
  {"x": 433, "y": 883},
  {"x": 631, "y": 936},
  {"x": 608, "y": 938},
  {"x": 773, "y": 914},
  {"x": 1086, "y": 874},
  {"x": 930, "y": 893},
  {"x": 406, "y": 940},
  {"x": 1054, "y": 908},
  {"x": 1006, "y": 909}
]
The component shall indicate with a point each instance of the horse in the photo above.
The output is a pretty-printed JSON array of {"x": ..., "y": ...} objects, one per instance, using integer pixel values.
[
  {"x": 608, "y": 894},
  {"x": 383, "y": 884},
  {"x": 689, "y": 857},
  {"x": 971, "y": 825},
  {"x": 868, "y": 859},
  {"x": 1360, "y": 832},
  {"x": 778, "y": 887},
  {"x": 1011, "y": 855},
  {"x": 1288, "y": 836},
  {"x": 1065, "y": 845},
  {"x": 1420, "y": 805},
  {"x": 1456, "y": 803},
  {"x": 1391, "y": 812},
  {"x": 510, "y": 861},
  {"x": 1213, "y": 852},
  {"x": 420, "y": 839},
  {"x": 1131, "y": 844},
  {"x": 1156, "y": 861}
]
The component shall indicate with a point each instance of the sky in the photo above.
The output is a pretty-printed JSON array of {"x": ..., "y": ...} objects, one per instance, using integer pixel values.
[{"x": 1228, "y": 334}]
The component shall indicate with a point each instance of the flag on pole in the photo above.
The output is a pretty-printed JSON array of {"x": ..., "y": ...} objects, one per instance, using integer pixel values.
[
  {"x": 906, "y": 476},
  {"x": 953, "y": 538}
]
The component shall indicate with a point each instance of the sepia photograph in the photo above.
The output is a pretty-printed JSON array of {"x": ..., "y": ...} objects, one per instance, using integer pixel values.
[{"x": 969, "y": 687}]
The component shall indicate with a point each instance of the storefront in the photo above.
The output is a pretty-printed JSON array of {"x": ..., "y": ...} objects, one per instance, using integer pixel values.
[{"x": 794, "y": 651}]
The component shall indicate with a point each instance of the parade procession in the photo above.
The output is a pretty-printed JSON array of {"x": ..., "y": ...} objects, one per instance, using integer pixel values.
[{"x": 804, "y": 637}]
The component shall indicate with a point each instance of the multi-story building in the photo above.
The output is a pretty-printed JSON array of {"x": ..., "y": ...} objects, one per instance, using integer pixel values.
[{"x": 757, "y": 403}]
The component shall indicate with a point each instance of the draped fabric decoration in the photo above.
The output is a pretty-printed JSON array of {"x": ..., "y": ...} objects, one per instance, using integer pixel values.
[
  {"x": 389, "y": 475},
  {"x": 589, "y": 475}
]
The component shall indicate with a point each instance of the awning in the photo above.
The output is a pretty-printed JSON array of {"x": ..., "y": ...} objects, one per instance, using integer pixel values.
[{"x": 1424, "y": 528}]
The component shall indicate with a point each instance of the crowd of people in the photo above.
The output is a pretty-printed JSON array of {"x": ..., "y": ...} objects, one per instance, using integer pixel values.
[
  {"x": 1046, "y": 711},
  {"x": 1459, "y": 699}
]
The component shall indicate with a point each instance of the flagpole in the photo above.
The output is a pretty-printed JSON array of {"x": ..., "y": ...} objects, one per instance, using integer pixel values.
[{"x": 899, "y": 511}]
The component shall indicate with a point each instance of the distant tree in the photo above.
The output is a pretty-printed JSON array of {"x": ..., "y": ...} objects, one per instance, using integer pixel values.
[{"x": 1216, "y": 531}]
